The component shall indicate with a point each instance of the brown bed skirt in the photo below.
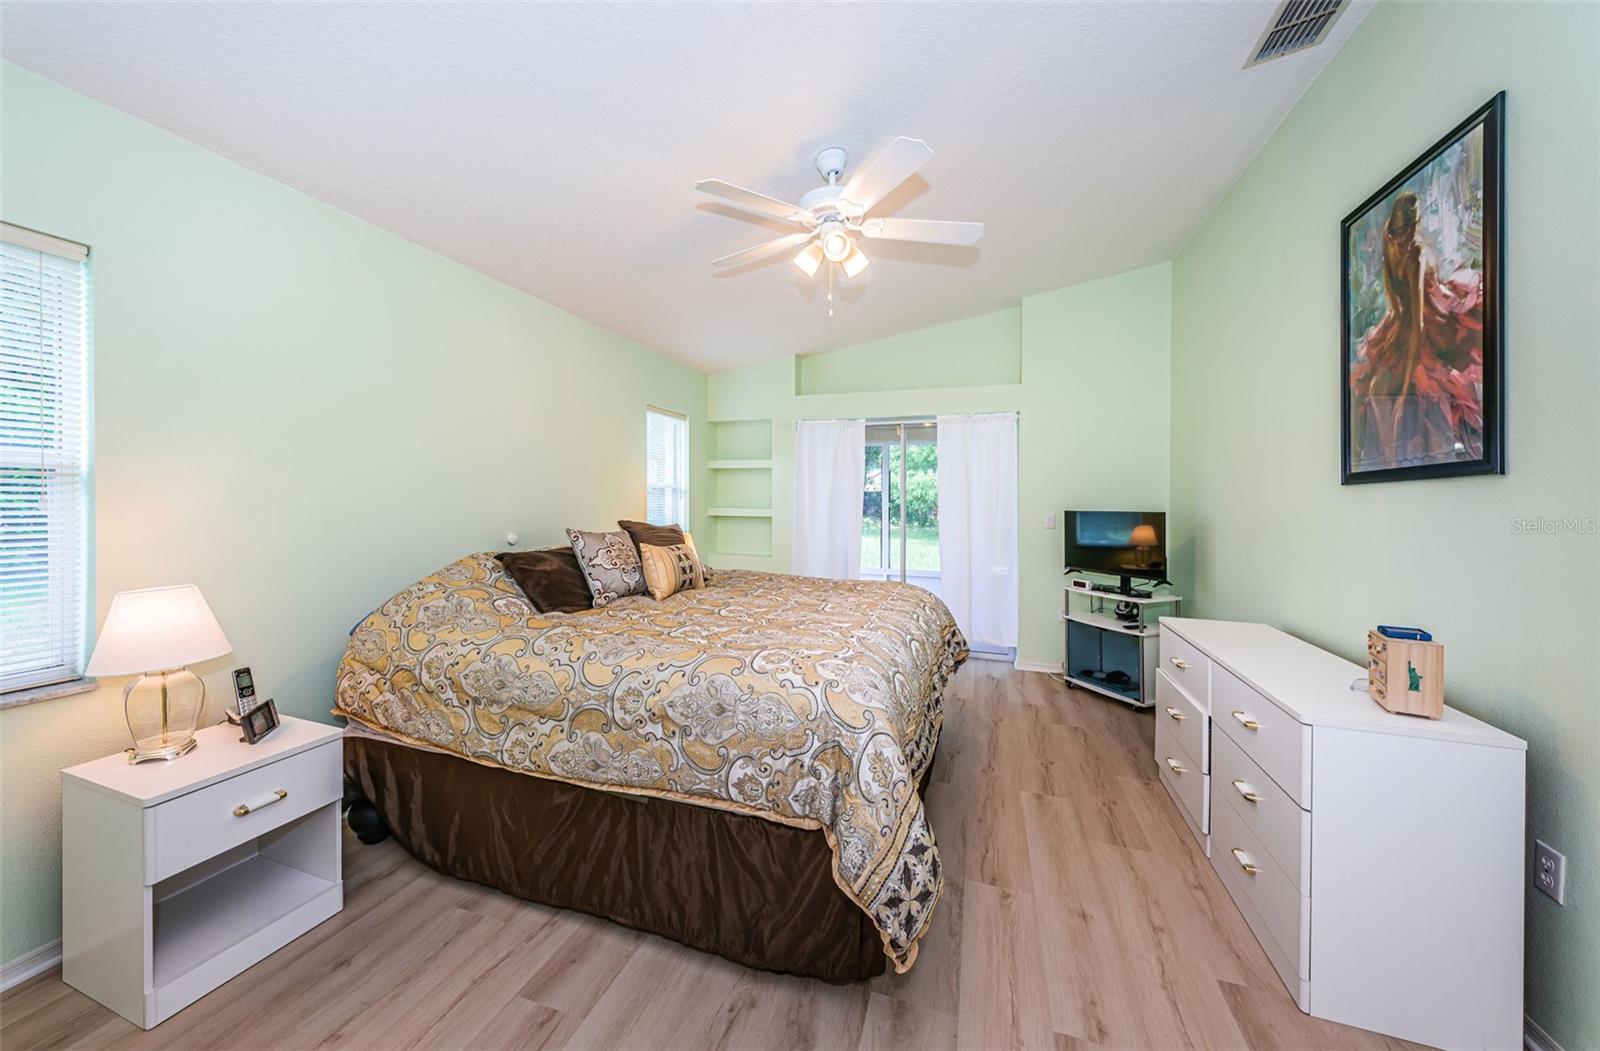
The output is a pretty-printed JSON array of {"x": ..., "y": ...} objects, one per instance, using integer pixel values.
[{"x": 753, "y": 891}]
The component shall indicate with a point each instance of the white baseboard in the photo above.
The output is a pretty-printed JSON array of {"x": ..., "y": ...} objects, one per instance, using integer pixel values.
[
  {"x": 1044, "y": 666},
  {"x": 1534, "y": 1038},
  {"x": 29, "y": 964}
]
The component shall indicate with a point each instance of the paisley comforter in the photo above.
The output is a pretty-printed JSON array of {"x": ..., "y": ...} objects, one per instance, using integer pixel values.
[{"x": 815, "y": 703}]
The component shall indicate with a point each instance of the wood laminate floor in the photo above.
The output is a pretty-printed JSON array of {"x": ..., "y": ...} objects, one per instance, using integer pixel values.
[{"x": 1077, "y": 913}]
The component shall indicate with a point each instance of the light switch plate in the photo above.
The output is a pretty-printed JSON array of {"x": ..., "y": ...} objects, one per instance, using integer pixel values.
[
  {"x": 1049, "y": 519},
  {"x": 1550, "y": 871}
]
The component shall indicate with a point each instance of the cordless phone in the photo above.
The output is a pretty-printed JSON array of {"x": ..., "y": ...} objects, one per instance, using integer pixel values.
[{"x": 244, "y": 691}]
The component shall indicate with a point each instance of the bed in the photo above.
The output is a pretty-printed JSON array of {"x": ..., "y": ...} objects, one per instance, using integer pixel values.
[{"x": 738, "y": 767}]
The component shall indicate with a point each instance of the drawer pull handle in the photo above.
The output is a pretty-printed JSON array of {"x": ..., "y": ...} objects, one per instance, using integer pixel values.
[
  {"x": 1244, "y": 790},
  {"x": 256, "y": 804},
  {"x": 1244, "y": 861},
  {"x": 1179, "y": 663},
  {"x": 1244, "y": 720},
  {"x": 1175, "y": 766},
  {"x": 1174, "y": 713}
]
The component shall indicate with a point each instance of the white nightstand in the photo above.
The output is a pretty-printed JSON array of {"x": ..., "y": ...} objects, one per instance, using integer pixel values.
[{"x": 177, "y": 876}]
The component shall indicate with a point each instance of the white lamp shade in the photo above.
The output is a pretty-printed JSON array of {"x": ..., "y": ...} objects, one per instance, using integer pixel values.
[{"x": 154, "y": 629}]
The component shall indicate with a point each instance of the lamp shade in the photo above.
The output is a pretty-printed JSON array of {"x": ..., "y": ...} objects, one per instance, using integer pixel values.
[
  {"x": 1144, "y": 535},
  {"x": 154, "y": 629}
]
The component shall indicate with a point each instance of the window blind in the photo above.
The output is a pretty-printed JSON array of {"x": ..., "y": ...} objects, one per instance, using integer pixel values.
[
  {"x": 44, "y": 458},
  {"x": 667, "y": 468}
]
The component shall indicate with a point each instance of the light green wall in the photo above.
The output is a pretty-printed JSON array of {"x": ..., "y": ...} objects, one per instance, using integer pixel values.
[
  {"x": 1256, "y": 500},
  {"x": 296, "y": 411},
  {"x": 940, "y": 356},
  {"x": 1093, "y": 405}
]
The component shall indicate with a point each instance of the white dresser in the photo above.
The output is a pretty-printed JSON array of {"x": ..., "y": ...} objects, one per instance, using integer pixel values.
[
  {"x": 1378, "y": 858},
  {"x": 177, "y": 876}
]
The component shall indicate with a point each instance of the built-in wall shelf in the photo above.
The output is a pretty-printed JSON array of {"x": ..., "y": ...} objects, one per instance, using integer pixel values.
[
  {"x": 739, "y": 456},
  {"x": 741, "y": 440},
  {"x": 739, "y": 512}
]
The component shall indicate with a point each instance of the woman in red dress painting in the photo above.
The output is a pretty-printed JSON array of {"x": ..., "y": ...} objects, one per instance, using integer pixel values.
[{"x": 1416, "y": 386}]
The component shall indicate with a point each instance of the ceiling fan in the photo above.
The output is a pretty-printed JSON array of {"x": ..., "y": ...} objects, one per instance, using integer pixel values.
[{"x": 832, "y": 216}]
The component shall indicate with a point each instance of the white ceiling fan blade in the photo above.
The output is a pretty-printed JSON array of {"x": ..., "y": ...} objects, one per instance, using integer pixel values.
[
  {"x": 928, "y": 231},
  {"x": 762, "y": 250},
  {"x": 750, "y": 200},
  {"x": 898, "y": 162}
]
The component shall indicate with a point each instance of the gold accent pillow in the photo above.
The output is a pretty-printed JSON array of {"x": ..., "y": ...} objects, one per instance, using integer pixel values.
[{"x": 669, "y": 570}]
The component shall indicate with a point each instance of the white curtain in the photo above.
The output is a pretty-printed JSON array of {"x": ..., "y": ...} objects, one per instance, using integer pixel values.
[
  {"x": 978, "y": 525},
  {"x": 830, "y": 472}
]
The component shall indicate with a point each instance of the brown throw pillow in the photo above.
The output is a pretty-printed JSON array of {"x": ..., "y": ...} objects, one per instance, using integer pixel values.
[
  {"x": 644, "y": 533},
  {"x": 551, "y": 578},
  {"x": 669, "y": 570},
  {"x": 662, "y": 536}
]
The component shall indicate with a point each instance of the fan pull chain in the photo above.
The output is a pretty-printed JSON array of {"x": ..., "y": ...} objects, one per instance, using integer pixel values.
[{"x": 830, "y": 290}]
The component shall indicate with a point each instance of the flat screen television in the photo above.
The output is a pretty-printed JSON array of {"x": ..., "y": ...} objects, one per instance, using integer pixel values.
[{"x": 1123, "y": 544}]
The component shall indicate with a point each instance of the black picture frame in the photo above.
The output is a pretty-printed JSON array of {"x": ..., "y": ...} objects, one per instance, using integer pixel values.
[
  {"x": 1491, "y": 116},
  {"x": 259, "y": 721}
]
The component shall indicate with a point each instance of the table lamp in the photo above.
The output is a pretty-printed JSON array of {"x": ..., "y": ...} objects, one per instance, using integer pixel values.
[
  {"x": 1143, "y": 539},
  {"x": 154, "y": 633}
]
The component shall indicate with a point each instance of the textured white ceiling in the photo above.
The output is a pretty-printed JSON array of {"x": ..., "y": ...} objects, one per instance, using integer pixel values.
[{"x": 556, "y": 147}]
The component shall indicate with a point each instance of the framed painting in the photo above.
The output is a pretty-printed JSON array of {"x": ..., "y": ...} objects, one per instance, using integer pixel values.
[{"x": 1422, "y": 344}]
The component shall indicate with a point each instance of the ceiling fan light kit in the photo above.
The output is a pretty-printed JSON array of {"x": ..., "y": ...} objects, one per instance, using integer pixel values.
[
  {"x": 855, "y": 262},
  {"x": 833, "y": 216},
  {"x": 836, "y": 244},
  {"x": 809, "y": 259}
]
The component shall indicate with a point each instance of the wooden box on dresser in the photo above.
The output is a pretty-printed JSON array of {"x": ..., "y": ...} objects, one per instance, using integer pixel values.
[
  {"x": 1378, "y": 858},
  {"x": 177, "y": 876}
]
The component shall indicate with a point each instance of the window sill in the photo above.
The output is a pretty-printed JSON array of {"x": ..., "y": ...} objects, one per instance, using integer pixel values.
[{"x": 32, "y": 694}]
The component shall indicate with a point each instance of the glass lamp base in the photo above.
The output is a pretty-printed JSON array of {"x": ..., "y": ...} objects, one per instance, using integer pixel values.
[
  {"x": 163, "y": 710},
  {"x": 156, "y": 748}
]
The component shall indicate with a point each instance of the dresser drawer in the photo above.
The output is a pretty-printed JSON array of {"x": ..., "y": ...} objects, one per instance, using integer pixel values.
[
  {"x": 1183, "y": 720},
  {"x": 1183, "y": 776},
  {"x": 202, "y": 824},
  {"x": 1190, "y": 669},
  {"x": 1277, "y": 911},
  {"x": 1266, "y": 733},
  {"x": 1266, "y": 810}
]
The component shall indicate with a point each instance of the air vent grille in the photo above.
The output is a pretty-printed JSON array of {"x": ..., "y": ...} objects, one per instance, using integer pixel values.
[{"x": 1295, "y": 26}]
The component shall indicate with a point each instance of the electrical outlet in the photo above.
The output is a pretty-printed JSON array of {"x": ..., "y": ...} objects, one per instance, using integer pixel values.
[
  {"x": 1550, "y": 871},
  {"x": 1049, "y": 519}
]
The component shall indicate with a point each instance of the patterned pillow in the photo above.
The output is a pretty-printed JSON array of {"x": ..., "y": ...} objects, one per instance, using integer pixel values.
[
  {"x": 610, "y": 564},
  {"x": 669, "y": 570}
]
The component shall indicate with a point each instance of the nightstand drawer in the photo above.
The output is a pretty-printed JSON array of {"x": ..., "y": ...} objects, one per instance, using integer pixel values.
[{"x": 204, "y": 823}]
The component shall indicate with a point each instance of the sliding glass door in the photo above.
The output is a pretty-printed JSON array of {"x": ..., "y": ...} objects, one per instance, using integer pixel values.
[{"x": 900, "y": 503}]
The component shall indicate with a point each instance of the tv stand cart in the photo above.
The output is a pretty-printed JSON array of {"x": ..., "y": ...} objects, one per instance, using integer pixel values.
[{"x": 1113, "y": 657}]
